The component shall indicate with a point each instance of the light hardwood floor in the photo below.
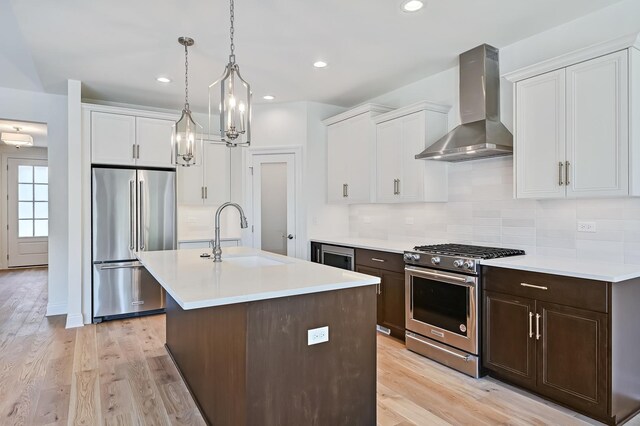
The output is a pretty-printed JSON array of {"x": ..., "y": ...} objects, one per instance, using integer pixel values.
[{"x": 118, "y": 373}]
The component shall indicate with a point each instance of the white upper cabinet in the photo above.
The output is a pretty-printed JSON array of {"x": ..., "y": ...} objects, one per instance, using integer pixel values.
[
  {"x": 400, "y": 135},
  {"x": 598, "y": 127},
  {"x": 540, "y": 136},
  {"x": 208, "y": 184},
  {"x": 351, "y": 140},
  {"x": 113, "y": 138},
  {"x": 576, "y": 135},
  {"x": 127, "y": 137},
  {"x": 153, "y": 137}
]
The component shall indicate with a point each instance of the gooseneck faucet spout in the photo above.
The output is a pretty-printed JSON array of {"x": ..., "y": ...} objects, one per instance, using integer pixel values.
[{"x": 217, "y": 250}]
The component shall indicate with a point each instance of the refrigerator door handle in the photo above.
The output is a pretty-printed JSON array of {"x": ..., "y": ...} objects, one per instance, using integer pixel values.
[
  {"x": 120, "y": 266},
  {"x": 141, "y": 233},
  {"x": 132, "y": 214}
]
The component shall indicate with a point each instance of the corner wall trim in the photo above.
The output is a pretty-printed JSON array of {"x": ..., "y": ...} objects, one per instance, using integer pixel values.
[
  {"x": 56, "y": 309},
  {"x": 74, "y": 320}
]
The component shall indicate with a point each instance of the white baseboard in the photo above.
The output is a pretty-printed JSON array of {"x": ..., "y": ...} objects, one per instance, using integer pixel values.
[
  {"x": 56, "y": 309},
  {"x": 74, "y": 320}
]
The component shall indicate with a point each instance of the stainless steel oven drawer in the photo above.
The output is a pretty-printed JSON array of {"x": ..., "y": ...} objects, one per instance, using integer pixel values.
[{"x": 451, "y": 357}]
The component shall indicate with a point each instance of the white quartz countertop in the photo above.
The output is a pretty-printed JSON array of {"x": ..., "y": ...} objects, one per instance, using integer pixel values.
[
  {"x": 244, "y": 275},
  {"x": 373, "y": 244},
  {"x": 599, "y": 271}
]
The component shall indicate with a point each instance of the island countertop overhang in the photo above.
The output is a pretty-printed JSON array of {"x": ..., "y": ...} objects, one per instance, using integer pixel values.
[{"x": 244, "y": 275}]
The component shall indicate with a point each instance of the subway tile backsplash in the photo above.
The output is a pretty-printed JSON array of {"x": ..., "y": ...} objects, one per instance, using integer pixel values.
[{"x": 481, "y": 210}]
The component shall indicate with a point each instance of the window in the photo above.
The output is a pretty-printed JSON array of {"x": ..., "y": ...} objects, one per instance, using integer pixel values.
[{"x": 33, "y": 201}]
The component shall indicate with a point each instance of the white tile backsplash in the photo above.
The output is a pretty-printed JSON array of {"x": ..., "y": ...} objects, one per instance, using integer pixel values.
[{"x": 482, "y": 210}]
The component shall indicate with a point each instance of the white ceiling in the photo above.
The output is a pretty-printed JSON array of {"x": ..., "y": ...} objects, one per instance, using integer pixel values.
[
  {"x": 117, "y": 48},
  {"x": 37, "y": 130}
]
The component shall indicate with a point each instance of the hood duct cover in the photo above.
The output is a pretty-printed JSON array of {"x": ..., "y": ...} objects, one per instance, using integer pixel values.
[{"x": 481, "y": 133}]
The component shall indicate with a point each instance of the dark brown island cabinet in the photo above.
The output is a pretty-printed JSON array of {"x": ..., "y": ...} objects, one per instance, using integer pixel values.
[
  {"x": 389, "y": 267},
  {"x": 573, "y": 341}
]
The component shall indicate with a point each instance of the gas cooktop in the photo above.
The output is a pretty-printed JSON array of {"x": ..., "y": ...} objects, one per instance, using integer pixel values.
[{"x": 463, "y": 250}]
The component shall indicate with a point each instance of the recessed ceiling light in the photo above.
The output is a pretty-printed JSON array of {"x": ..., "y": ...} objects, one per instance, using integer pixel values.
[
  {"x": 163, "y": 80},
  {"x": 320, "y": 64},
  {"x": 268, "y": 97},
  {"x": 412, "y": 5}
]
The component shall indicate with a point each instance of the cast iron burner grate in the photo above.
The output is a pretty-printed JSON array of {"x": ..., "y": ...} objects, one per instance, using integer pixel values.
[{"x": 463, "y": 250}]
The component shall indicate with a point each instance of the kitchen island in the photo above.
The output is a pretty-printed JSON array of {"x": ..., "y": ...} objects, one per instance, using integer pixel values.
[{"x": 239, "y": 333}]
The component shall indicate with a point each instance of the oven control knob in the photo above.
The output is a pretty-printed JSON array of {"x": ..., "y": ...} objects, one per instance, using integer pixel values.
[
  {"x": 415, "y": 257},
  {"x": 411, "y": 257},
  {"x": 435, "y": 260},
  {"x": 458, "y": 263},
  {"x": 469, "y": 264}
]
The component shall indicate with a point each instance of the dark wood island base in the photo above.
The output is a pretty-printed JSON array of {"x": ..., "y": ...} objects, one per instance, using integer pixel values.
[{"x": 249, "y": 363}]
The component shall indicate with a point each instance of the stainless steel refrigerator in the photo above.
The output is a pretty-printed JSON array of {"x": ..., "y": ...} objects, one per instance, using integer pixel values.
[{"x": 132, "y": 210}]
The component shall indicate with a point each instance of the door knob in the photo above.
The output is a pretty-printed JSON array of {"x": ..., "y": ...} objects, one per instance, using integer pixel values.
[{"x": 290, "y": 237}]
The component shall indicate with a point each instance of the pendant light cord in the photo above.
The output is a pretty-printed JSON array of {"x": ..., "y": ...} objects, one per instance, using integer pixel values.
[
  {"x": 186, "y": 77},
  {"x": 232, "y": 56}
]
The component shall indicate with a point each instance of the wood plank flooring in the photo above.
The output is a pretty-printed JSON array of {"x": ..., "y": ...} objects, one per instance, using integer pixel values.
[{"x": 118, "y": 373}]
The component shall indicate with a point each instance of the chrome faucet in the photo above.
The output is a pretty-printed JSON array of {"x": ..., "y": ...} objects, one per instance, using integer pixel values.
[{"x": 217, "y": 251}]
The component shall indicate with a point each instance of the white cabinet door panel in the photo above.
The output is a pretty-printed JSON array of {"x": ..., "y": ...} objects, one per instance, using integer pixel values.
[
  {"x": 597, "y": 127},
  {"x": 216, "y": 174},
  {"x": 190, "y": 186},
  {"x": 113, "y": 138},
  {"x": 540, "y": 136},
  {"x": 359, "y": 160},
  {"x": 411, "y": 179},
  {"x": 388, "y": 147},
  {"x": 337, "y": 161},
  {"x": 154, "y": 139}
]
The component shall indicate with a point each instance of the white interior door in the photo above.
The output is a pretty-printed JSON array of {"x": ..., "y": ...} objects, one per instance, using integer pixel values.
[
  {"x": 274, "y": 203},
  {"x": 28, "y": 212}
]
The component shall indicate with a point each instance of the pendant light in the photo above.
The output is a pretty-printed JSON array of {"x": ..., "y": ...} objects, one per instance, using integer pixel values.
[
  {"x": 230, "y": 96},
  {"x": 186, "y": 141}
]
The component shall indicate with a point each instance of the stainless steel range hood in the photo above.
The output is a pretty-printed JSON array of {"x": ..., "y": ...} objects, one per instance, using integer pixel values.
[{"x": 481, "y": 133}]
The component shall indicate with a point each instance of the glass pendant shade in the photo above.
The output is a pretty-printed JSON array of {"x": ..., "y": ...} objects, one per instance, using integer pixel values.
[
  {"x": 186, "y": 141},
  {"x": 230, "y": 97}
]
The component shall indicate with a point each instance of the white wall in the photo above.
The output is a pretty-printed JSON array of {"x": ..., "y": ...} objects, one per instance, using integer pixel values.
[
  {"x": 50, "y": 109},
  {"x": 481, "y": 208}
]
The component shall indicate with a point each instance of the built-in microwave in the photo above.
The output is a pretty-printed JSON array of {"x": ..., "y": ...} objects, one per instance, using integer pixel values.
[{"x": 339, "y": 257}]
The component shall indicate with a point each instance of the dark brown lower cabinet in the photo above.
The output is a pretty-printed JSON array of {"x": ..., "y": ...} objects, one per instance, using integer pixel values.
[
  {"x": 566, "y": 339},
  {"x": 391, "y": 303}
]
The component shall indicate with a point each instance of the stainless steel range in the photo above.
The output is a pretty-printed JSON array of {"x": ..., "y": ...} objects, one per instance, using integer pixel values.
[{"x": 442, "y": 302}]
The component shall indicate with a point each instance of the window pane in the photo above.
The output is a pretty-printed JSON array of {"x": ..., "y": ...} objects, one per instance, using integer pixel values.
[
  {"x": 25, "y": 192},
  {"x": 25, "y": 228},
  {"x": 41, "y": 174},
  {"x": 41, "y": 228},
  {"x": 41, "y": 210},
  {"x": 41, "y": 192},
  {"x": 25, "y": 174},
  {"x": 25, "y": 210}
]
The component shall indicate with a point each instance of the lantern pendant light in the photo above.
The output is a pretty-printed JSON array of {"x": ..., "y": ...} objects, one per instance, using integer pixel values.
[
  {"x": 230, "y": 96},
  {"x": 186, "y": 140}
]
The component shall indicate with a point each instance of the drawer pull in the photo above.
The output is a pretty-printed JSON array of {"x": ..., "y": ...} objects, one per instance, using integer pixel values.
[
  {"x": 539, "y": 287},
  {"x": 375, "y": 259}
]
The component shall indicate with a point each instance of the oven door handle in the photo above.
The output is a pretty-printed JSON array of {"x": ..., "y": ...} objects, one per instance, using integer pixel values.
[{"x": 444, "y": 277}]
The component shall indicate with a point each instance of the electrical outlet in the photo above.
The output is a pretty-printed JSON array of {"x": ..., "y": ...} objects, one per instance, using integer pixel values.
[
  {"x": 317, "y": 335},
  {"x": 586, "y": 227},
  {"x": 408, "y": 221}
]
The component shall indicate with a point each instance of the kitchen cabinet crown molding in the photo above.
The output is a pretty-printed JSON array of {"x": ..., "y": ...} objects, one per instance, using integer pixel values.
[
  {"x": 362, "y": 109},
  {"x": 130, "y": 111},
  {"x": 410, "y": 109},
  {"x": 572, "y": 58}
]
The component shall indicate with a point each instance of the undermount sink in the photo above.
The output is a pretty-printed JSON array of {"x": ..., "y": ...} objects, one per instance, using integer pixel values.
[{"x": 252, "y": 261}]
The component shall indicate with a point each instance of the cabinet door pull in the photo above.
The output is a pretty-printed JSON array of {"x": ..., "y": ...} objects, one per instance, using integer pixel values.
[
  {"x": 206, "y": 192},
  {"x": 566, "y": 173},
  {"x": 538, "y": 326},
  {"x": 539, "y": 287},
  {"x": 398, "y": 187},
  {"x": 530, "y": 325},
  {"x": 133, "y": 151},
  {"x": 345, "y": 190},
  {"x": 202, "y": 192},
  {"x": 560, "y": 164},
  {"x": 375, "y": 259}
]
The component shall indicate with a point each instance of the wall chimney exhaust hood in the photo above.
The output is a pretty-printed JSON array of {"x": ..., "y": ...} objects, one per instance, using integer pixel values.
[{"x": 481, "y": 133}]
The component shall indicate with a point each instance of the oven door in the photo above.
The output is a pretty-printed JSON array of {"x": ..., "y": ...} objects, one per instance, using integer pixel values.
[{"x": 443, "y": 306}]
